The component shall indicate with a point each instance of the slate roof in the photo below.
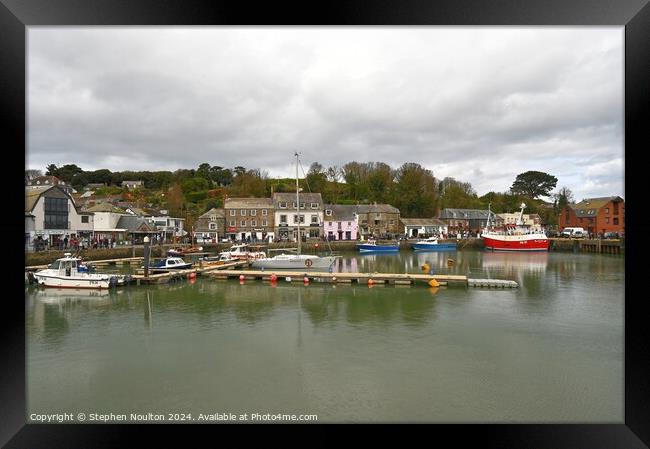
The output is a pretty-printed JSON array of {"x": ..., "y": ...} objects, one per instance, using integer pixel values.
[
  {"x": 341, "y": 212},
  {"x": 290, "y": 198},
  {"x": 465, "y": 214},
  {"x": 133, "y": 224},
  {"x": 104, "y": 207},
  {"x": 248, "y": 203},
  {"x": 422, "y": 222},
  {"x": 220, "y": 213},
  {"x": 376, "y": 208},
  {"x": 583, "y": 208}
]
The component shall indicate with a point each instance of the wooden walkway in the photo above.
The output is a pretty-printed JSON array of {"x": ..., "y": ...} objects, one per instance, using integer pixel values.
[
  {"x": 157, "y": 277},
  {"x": 360, "y": 278}
]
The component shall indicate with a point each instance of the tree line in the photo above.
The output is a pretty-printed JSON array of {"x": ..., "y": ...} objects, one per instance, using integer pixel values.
[{"x": 413, "y": 189}]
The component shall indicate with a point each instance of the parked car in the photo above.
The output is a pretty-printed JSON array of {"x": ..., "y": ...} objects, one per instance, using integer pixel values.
[
  {"x": 573, "y": 232},
  {"x": 611, "y": 235},
  {"x": 552, "y": 233}
]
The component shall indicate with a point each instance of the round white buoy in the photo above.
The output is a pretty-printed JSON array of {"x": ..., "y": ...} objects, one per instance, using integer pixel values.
[{"x": 288, "y": 278}]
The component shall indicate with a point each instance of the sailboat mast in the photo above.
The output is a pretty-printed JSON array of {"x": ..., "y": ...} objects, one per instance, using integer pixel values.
[{"x": 298, "y": 203}]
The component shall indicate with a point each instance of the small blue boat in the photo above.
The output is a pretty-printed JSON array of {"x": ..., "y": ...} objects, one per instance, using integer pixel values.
[
  {"x": 432, "y": 244},
  {"x": 372, "y": 246}
]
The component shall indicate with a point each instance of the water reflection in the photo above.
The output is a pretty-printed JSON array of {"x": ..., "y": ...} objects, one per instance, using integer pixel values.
[{"x": 345, "y": 352}]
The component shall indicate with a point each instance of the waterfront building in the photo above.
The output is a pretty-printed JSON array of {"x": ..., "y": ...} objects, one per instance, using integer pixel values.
[
  {"x": 210, "y": 226},
  {"x": 595, "y": 215},
  {"x": 530, "y": 221},
  {"x": 286, "y": 215},
  {"x": 169, "y": 228},
  {"x": 51, "y": 215},
  {"x": 378, "y": 220},
  {"x": 467, "y": 220},
  {"x": 249, "y": 218},
  {"x": 105, "y": 223},
  {"x": 340, "y": 222},
  {"x": 418, "y": 227}
]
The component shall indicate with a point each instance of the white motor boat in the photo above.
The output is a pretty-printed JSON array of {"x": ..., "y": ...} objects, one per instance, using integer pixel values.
[
  {"x": 170, "y": 263},
  {"x": 64, "y": 273},
  {"x": 242, "y": 252}
]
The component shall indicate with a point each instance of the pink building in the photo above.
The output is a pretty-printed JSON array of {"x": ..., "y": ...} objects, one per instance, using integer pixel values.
[{"x": 340, "y": 222}]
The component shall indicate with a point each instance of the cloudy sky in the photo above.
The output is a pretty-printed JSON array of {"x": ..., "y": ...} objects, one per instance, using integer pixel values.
[{"x": 480, "y": 104}]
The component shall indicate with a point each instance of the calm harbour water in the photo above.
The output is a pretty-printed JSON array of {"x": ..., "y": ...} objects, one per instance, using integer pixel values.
[{"x": 550, "y": 351}]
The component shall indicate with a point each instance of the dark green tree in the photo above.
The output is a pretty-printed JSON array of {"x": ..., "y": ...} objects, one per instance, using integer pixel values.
[{"x": 533, "y": 184}]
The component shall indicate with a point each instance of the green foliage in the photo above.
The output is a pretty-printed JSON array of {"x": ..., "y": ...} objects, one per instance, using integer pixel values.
[
  {"x": 534, "y": 184},
  {"x": 195, "y": 184},
  {"x": 415, "y": 191},
  {"x": 197, "y": 196}
]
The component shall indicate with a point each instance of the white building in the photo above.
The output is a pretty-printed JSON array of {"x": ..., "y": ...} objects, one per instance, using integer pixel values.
[
  {"x": 51, "y": 215},
  {"x": 530, "y": 220},
  {"x": 419, "y": 227},
  {"x": 287, "y": 219}
]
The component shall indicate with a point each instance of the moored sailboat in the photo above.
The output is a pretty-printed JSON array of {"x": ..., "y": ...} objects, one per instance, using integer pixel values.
[{"x": 295, "y": 261}]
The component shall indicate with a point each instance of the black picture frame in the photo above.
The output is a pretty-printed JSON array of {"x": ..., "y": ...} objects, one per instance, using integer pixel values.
[{"x": 16, "y": 15}]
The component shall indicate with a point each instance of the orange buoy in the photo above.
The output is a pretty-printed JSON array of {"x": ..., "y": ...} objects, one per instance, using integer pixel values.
[
  {"x": 370, "y": 282},
  {"x": 191, "y": 275},
  {"x": 274, "y": 278},
  {"x": 305, "y": 280},
  {"x": 242, "y": 277}
]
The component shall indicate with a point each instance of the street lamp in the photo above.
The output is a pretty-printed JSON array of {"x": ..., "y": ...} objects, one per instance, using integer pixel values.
[{"x": 146, "y": 255}]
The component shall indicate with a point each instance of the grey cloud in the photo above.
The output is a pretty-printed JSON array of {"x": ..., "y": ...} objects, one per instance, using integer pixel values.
[{"x": 478, "y": 104}]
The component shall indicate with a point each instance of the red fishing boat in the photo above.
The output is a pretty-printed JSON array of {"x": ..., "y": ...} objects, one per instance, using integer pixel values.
[{"x": 517, "y": 238}]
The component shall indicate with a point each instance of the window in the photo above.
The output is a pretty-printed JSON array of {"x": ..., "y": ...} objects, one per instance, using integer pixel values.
[
  {"x": 233, "y": 223},
  {"x": 302, "y": 205},
  {"x": 328, "y": 212},
  {"x": 302, "y": 218},
  {"x": 233, "y": 212},
  {"x": 253, "y": 222},
  {"x": 243, "y": 223},
  {"x": 56, "y": 213},
  {"x": 377, "y": 215},
  {"x": 349, "y": 224},
  {"x": 213, "y": 226},
  {"x": 392, "y": 222},
  {"x": 314, "y": 218},
  {"x": 265, "y": 212},
  {"x": 242, "y": 212},
  {"x": 607, "y": 220},
  {"x": 253, "y": 213},
  {"x": 283, "y": 204},
  {"x": 283, "y": 218},
  {"x": 213, "y": 218},
  {"x": 314, "y": 205},
  {"x": 329, "y": 223},
  {"x": 615, "y": 220},
  {"x": 84, "y": 218},
  {"x": 265, "y": 223},
  {"x": 607, "y": 210}
]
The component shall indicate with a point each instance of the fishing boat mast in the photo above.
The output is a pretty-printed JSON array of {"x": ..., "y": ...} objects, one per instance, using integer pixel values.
[{"x": 298, "y": 203}]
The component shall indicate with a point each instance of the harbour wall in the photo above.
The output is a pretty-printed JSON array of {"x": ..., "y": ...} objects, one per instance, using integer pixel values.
[{"x": 318, "y": 247}]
